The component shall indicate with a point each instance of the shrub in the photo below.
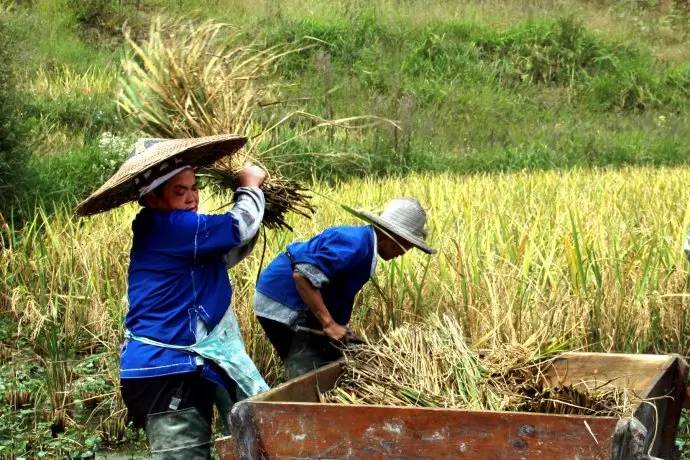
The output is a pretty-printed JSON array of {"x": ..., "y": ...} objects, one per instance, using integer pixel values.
[
  {"x": 12, "y": 155},
  {"x": 100, "y": 21},
  {"x": 559, "y": 52}
]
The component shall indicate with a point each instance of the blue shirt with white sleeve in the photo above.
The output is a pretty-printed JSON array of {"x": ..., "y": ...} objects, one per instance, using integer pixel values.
[{"x": 178, "y": 281}]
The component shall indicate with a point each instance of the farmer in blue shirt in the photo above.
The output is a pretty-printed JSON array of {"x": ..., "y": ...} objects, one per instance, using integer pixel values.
[
  {"x": 305, "y": 296},
  {"x": 183, "y": 348}
]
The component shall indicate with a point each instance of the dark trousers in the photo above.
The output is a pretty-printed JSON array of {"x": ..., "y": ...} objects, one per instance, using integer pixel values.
[
  {"x": 152, "y": 395},
  {"x": 300, "y": 351},
  {"x": 177, "y": 412}
]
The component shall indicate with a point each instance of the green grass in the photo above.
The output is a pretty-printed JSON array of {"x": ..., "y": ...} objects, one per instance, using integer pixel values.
[{"x": 481, "y": 88}]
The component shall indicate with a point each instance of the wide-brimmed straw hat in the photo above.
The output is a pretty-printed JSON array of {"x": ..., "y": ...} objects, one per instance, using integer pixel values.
[
  {"x": 402, "y": 217},
  {"x": 153, "y": 158}
]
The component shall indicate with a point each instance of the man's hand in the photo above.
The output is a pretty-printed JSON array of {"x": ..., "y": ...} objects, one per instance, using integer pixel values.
[
  {"x": 252, "y": 176},
  {"x": 335, "y": 331},
  {"x": 353, "y": 339}
]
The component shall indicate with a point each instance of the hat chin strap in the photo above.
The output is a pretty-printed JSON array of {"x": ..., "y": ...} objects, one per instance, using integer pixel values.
[{"x": 160, "y": 180}]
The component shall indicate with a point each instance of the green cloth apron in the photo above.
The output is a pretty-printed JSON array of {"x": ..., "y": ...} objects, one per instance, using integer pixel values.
[{"x": 224, "y": 346}]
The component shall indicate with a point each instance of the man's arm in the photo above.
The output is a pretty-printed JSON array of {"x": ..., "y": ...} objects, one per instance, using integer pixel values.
[
  {"x": 248, "y": 213},
  {"x": 248, "y": 209},
  {"x": 312, "y": 298}
]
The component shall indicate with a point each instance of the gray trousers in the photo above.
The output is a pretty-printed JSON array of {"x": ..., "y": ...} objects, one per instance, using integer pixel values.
[{"x": 301, "y": 352}]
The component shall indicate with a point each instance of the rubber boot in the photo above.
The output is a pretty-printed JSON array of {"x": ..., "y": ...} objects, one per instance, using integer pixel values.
[
  {"x": 179, "y": 434},
  {"x": 308, "y": 352}
]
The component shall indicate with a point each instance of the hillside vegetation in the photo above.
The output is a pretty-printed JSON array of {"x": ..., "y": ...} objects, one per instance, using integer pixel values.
[{"x": 487, "y": 86}]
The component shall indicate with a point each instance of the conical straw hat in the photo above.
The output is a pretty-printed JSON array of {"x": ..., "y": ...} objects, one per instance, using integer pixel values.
[
  {"x": 152, "y": 158},
  {"x": 403, "y": 217}
]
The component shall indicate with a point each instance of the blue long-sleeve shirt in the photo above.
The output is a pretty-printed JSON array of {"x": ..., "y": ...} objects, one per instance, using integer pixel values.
[
  {"x": 343, "y": 255},
  {"x": 178, "y": 281}
]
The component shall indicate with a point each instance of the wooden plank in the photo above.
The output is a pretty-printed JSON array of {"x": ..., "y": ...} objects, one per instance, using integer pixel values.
[
  {"x": 303, "y": 388},
  {"x": 305, "y": 430},
  {"x": 226, "y": 448},
  {"x": 639, "y": 373},
  {"x": 306, "y": 387}
]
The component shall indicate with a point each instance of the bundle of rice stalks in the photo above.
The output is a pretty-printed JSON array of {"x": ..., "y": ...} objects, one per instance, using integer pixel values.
[
  {"x": 193, "y": 79},
  {"x": 431, "y": 365},
  {"x": 282, "y": 195},
  {"x": 196, "y": 79},
  {"x": 426, "y": 365}
]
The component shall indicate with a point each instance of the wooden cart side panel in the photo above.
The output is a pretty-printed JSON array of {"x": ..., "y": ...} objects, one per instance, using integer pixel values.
[
  {"x": 660, "y": 417},
  {"x": 306, "y": 430},
  {"x": 639, "y": 373},
  {"x": 305, "y": 388},
  {"x": 226, "y": 448}
]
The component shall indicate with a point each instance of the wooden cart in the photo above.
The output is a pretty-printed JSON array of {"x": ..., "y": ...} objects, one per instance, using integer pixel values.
[{"x": 288, "y": 422}]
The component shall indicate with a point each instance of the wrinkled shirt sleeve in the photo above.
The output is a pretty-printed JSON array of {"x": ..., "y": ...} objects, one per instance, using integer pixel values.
[
  {"x": 248, "y": 212},
  {"x": 312, "y": 273}
]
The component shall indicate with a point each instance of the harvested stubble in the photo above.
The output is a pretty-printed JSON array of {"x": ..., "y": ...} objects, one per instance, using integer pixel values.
[{"x": 431, "y": 365}]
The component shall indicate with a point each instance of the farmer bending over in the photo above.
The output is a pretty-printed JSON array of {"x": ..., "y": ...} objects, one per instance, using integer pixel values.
[
  {"x": 304, "y": 298},
  {"x": 183, "y": 350}
]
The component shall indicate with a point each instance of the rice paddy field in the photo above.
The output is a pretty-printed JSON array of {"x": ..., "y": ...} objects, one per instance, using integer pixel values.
[
  {"x": 584, "y": 259},
  {"x": 594, "y": 257},
  {"x": 549, "y": 141}
]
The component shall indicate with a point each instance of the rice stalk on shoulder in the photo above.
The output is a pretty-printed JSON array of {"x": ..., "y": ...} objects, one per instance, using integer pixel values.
[{"x": 191, "y": 79}]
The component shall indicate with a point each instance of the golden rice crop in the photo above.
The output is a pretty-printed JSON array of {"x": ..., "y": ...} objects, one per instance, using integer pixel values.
[{"x": 594, "y": 257}]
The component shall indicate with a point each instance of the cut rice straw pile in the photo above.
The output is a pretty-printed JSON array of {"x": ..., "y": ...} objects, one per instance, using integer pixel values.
[{"x": 431, "y": 365}]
